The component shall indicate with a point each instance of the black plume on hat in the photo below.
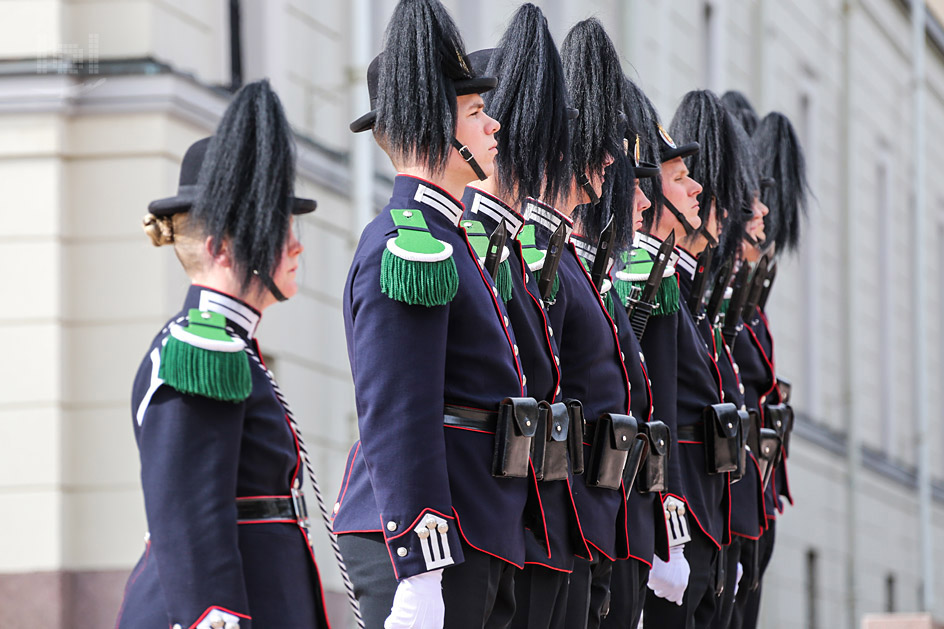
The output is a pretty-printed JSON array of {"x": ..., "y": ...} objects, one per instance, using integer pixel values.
[
  {"x": 781, "y": 157},
  {"x": 416, "y": 99},
  {"x": 719, "y": 164},
  {"x": 247, "y": 182},
  {"x": 742, "y": 110},
  {"x": 595, "y": 81},
  {"x": 530, "y": 102}
]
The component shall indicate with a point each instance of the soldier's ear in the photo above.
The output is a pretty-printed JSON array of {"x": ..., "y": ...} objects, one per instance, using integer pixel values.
[{"x": 221, "y": 254}]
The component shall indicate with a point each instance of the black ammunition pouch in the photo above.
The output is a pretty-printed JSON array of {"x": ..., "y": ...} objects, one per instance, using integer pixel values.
[
  {"x": 654, "y": 472},
  {"x": 785, "y": 389},
  {"x": 549, "y": 455},
  {"x": 768, "y": 453},
  {"x": 743, "y": 434},
  {"x": 612, "y": 440},
  {"x": 575, "y": 436},
  {"x": 516, "y": 426},
  {"x": 722, "y": 440},
  {"x": 780, "y": 418}
]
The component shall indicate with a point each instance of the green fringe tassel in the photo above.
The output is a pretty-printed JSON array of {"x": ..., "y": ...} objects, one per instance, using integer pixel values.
[
  {"x": 610, "y": 304},
  {"x": 193, "y": 370},
  {"x": 667, "y": 297},
  {"x": 504, "y": 280},
  {"x": 623, "y": 290},
  {"x": 418, "y": 283},
  {"x": 555, "y": 286}
]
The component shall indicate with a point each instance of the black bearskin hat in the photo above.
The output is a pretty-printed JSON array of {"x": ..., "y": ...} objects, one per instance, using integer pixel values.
[
  {"x": 742, "y": 110},
  {"x": 781, "y": 157},
  {"x": 595, "y": 81},
  {"x": 719, "y": 166},
  {"x": 416, "y": 101},
  {"x": 247, "y": 182},
  {"x": 530, "y": 102}
]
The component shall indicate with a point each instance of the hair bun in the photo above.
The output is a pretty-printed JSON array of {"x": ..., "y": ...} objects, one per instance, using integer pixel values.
[{"x": 159, "y": 229}]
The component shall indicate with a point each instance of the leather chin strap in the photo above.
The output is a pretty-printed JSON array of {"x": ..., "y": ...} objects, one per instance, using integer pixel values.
[
  {"x": 712, "y": 241},
  {"x": 584, "y": 183},
  {"x": 689, "y": 230},
  {"x": 470, "y": 159},
  {"x": 270, "y": 285},
  {"x": 757, "y": 244}
]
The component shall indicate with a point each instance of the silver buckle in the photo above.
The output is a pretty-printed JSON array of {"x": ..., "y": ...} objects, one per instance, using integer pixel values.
[{"x": 300, "y": 508}]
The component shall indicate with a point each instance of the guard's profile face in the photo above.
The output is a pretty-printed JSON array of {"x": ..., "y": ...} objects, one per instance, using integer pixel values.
[
  {"x": 641, "y": 203},
  {"x": 681, "y": 190},
  {"x": 476, "y": 130},
  {"x": 284, "y": 274},
  {"x": 755, "y": 227}
]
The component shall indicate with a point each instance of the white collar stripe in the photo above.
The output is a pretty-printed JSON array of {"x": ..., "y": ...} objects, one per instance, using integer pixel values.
[
  {"x": 497, "y": 212},
  {"x": 238, "y": 313},
  {"x": 647, "y": 242},
  {"x": 585, "y": 249},
  {"x": 439, "y": 202},
  {"x": 687, "y": 262}
]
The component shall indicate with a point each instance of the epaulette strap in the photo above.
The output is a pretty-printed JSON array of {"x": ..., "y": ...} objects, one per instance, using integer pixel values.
[
  {"x": 416, "y": 268},
  {"x": 204, "y": 359},
  {"x": 635, "y": 275},
  {"x": 479, "y": 240}
]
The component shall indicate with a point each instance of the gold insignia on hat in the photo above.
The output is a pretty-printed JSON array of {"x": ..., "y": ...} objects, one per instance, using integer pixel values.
[
  {"x": 665, "y": 136},
  {"x": 636, "y": 153},
  {"x": 462, "y": 62},
  {"x": 625, "y": 146}
]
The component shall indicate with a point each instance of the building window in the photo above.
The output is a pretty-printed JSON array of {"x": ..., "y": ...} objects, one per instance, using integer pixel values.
[{"x": 812, "y": 588}]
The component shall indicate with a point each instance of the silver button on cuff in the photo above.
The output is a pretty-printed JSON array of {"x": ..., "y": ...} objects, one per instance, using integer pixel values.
[
  {"x": 391, "y": 526},
  {"x": 401, "y": 552}
]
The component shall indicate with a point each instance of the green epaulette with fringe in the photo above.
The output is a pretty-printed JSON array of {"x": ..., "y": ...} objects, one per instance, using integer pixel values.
[
  {"x": 534, "y": 258},
  {"x": 637, "y": 266},
  {"x": 202, "y": 358},
  {"x": 417, "y": 268},
  {"x": 479, "y": 240}
]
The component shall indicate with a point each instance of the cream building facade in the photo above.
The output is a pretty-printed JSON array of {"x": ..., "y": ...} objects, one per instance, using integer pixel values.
[{"x": 99, "y": 100}]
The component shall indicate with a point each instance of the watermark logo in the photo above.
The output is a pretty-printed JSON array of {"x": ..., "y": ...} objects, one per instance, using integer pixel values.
[{"x": 71, "y": 58}]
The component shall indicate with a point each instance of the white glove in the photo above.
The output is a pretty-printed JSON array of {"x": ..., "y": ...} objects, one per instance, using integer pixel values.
[
  {"x": 669, "y": 580},
  {"x": 418, "y": 603},
  {"x": 740, "y": 574}
]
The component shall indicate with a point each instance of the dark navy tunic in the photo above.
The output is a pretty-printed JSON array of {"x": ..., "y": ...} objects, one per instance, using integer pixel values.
[
  {"x": 592, "y": 371},
  {"x": 755, "y": 348},
  {"x": 539, "y": 359},
  {"x": 408, "y": 362},
  {"x": 699, "y": 385},
  {"x": 747, "y": 500},
  {"x": 198, "y": 457}
]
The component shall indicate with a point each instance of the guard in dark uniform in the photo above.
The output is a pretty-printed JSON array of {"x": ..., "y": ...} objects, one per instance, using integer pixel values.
[
  {"x": 648, "y": 535},
  {"x": 430, "y": 512},
  {"x": 697, "y": 504},
  {"x": 592, "y": 369},
  {"x": 781, "y": 160},
  {"x": 221, "y": 461},
  {"x": 533, "y": 150}
]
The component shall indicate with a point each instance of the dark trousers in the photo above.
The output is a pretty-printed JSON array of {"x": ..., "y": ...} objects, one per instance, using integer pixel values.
[
  {"x": 479, "y": 593},
  {"x": 700, "y": 600},
  {"x": 540, "y": 598},
  {"x": 747, "y": 602},
  {"x": 732, "y": 556},
  {"x": 627, "y": 594},
  {"x": 588, "y": 598}
]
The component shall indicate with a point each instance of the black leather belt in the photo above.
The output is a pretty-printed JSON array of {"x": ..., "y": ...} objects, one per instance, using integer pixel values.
[
  {"x": 470, "y": 418},
  {"x": 262, "y": 509},
  {"x": 693, "y": 432}
]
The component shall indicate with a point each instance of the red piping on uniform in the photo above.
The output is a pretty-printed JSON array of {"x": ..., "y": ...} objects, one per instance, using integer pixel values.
[
  {"x": 225, "y": 294},
  {"x": 688, "y": 507},
  {"x": 279, "y": 521},
  {"x": 134, "y": 577},
  {"x": 238, "y": 498},
  {"x": 349, "y": 473},
  {"x": 412, "y": 525},
  {"x": 311, "y": 551},
  {"x": 466, "y": 540},
  {"x": 570, "y": 493},
  {"x": 437, "y": 186},
  {"x": 354, "y": 532},
  {"x": 547, "y": 337},
  {"x": 484, "y": 432},
  {"x": 217, "y": 608},
  {"x": 544, "y": 565},
  {"x": 498, "y": 310}
]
